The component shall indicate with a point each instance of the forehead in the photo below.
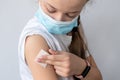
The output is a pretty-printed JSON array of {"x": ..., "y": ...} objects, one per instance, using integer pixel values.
[{"x": 67, "y": 5}]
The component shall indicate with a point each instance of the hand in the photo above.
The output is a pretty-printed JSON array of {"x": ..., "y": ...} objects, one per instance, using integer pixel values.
[{"x": 65, "y": 63}]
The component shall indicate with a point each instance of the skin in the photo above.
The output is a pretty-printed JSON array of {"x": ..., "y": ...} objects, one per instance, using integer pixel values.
[
  {"x": 65, "y": 12},
  {"x": 60, "y": 62}
]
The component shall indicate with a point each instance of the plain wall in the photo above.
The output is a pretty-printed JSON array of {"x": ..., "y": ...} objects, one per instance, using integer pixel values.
[{"x": 101, "y": 21}]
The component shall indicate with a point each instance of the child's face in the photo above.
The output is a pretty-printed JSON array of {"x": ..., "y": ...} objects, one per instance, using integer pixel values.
[{"x": 62, "y": 10}]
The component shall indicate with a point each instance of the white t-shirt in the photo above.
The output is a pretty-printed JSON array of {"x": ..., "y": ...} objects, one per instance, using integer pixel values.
[{"x": 55, "y": 42}]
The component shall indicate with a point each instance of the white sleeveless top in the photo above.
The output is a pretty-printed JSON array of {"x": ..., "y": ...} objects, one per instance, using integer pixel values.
[{"x": 55, "y": 42}]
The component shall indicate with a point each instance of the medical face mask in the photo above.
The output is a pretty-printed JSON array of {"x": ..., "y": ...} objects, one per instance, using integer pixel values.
[{"x": 53, "y": 26}]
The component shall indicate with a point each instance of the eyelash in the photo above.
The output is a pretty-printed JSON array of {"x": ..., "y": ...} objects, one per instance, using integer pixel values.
[
  {"x": 51, "y": 11},
  {"x": 70, "y": 16},
  {"x": 55, "y": 11}
]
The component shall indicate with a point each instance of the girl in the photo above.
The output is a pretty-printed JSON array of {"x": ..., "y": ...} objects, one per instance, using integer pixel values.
[{"x": 56, "y": 28}]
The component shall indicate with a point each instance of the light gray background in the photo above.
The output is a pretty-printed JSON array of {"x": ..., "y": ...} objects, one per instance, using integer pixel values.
[{"x": 101, "y": 21}]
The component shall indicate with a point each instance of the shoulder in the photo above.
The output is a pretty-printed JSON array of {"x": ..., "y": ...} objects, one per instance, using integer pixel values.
[{"x": 36, "y": 41}]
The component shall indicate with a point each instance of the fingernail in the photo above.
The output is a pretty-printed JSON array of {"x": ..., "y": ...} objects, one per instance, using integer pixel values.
[
  {"x": 43, "y": 56},
  {"x": 53, "y": 52},
  {"x": 50, "y": 50},
  {"x": 39, "y": 59}
]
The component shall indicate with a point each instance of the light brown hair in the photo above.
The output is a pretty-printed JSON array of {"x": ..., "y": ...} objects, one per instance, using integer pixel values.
[{"x": 78, "y": 45}]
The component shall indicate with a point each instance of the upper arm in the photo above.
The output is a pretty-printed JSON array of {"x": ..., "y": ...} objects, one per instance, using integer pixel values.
[{"x": 33, "y": 45}]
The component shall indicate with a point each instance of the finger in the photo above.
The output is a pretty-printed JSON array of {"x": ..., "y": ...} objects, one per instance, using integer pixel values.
[
  {"x": 62, "y": 69},
  {"x": 59, "y": 68},
  {"x": 61, "y": 73},
  {"x": 51, "y": 62},
  {"x": 52, "y": 51},
  {"x": 53, "y": 57},
  {"x": 40, "y": 60},
  {"x": 50, "y": 59}
]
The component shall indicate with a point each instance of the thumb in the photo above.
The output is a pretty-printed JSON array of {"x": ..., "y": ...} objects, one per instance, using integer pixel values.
[{"x": 53, "y": 52}]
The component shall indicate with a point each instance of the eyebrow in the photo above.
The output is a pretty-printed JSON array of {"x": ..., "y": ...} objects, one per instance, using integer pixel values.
[
  {"x": 68, "y": 12},
  {"x": 51, "y": 6}
]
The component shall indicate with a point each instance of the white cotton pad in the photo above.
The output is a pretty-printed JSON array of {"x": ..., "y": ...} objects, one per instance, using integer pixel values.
[{"x": 40, "y": 54}]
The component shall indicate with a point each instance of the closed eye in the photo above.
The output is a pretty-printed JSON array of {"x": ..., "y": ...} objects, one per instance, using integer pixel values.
[
  {"x": 72, "y": 14},
  {"x": 51, "y": 9}
]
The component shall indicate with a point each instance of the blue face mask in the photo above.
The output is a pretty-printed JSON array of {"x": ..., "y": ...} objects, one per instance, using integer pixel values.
[{"x": 53, "y": 26}]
